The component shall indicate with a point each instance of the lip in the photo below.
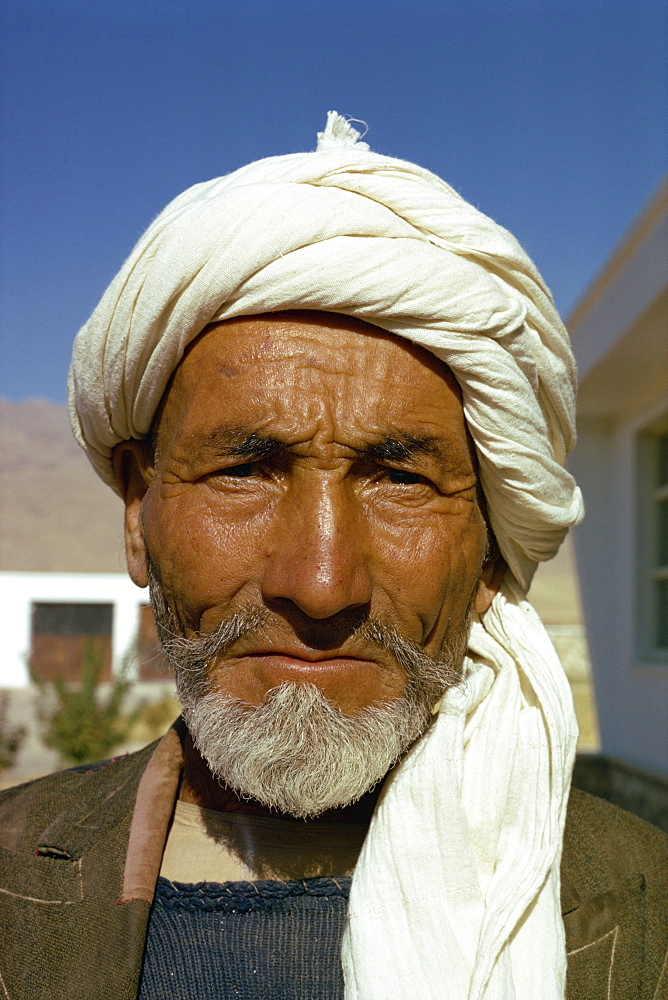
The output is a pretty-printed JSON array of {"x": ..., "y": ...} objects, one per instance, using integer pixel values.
[
  {"x": 275, "y": 667},
  {"x": 289, "y": 659},
  {"x": 305, "y": 656}
]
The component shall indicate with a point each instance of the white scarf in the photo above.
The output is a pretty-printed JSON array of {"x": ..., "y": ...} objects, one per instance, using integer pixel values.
[{"x": 456, "y": 892}]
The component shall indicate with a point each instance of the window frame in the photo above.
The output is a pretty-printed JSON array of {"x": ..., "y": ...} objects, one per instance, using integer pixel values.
[{"x": 651, "y": 495}]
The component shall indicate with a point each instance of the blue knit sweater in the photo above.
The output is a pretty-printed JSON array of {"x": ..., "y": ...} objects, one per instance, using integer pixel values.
[{"x": 266, "y": 940}]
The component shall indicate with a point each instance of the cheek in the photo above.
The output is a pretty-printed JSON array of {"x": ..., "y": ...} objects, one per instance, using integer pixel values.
[
  {"x": 432, "y": 568},
  {"x": 203, "y": 559}
]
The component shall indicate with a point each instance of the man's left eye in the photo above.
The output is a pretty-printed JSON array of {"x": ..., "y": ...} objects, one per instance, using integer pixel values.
[
  {"x": 240, "y": 471},
  {"x": 399, "y": 477}
]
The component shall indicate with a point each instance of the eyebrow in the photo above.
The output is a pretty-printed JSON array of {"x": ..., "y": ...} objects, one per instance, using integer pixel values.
[
  {"x": 402, "y": 448},
  {"x": 388, "y": 448},
  {"x": 239, "y": 441}
]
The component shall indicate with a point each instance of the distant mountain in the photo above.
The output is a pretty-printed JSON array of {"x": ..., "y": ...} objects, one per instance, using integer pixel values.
[{"x": 55, "y": 514}]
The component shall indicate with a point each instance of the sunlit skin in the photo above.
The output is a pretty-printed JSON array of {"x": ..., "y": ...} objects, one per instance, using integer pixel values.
[{"x": 318, "y": 467}]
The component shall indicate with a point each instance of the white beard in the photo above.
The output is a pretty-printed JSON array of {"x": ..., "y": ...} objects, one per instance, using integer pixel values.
[{"x": 297, "y": 752}]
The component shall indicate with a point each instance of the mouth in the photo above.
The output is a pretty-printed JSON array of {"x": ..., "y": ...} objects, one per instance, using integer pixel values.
[
  {"x": 307, "y": 656},
  {"x": 293, "y": 651},
  {"x": 348, "y": 679},
  {"x": 288, "y": 664}
]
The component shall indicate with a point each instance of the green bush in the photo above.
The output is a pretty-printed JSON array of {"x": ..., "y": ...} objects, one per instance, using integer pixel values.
[
  {"x": 85, "y": 724},
  {"x": 154, "y": 718}
]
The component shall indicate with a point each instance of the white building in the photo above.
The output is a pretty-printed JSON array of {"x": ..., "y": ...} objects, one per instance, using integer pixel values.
[
  {"x": 620, "y": 339},
  {"x": 46, "y": 618}
]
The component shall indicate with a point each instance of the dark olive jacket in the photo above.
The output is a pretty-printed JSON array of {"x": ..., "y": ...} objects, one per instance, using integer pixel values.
[{"x": 80, "y": 855}]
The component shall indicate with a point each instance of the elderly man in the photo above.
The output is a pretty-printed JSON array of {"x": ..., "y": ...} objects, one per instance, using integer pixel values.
[{"x": 337, "y": 401}]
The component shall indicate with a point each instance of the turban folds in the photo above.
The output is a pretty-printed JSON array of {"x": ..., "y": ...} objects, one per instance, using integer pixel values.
[
  {"x": 456, "y": 892},
  {"x": 347, "y": 230}
]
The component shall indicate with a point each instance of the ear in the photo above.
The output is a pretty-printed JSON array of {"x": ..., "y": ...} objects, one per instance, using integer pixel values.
[
  {"x": 133, "y": 469},
  {"x": 489, "y": 582}
]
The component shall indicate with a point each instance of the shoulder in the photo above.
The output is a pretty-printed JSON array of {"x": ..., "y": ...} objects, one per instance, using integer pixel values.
[
  {"x": 26, "y": 810},
  {"x": 604, "y": 845},
  {"x": 592, "y": 817},
  {"x": 611, "y": 855},
  {"x": 614, "y": 901}
]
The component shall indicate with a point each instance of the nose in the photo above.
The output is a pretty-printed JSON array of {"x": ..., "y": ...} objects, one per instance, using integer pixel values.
[{"x": 316, "y": 559}]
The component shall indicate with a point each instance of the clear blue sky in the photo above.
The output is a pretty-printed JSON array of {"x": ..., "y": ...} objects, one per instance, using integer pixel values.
[{"x": 549, "y": 115}]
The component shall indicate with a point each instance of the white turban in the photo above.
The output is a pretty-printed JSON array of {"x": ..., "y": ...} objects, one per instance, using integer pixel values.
[
  {"x": 346, "y": 230},
  {"x": 447, "y": 901}
]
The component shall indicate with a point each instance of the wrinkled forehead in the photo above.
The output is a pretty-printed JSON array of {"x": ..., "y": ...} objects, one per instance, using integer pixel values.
[
  {"x": 315, "y": 360},
  {"x": 351, "y": 341}
]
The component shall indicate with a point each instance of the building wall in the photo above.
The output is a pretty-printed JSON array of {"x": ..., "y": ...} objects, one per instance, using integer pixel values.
[
  {"x": 18, "y": 592},
  {"x": 631, "y": 690},
  {"x": 620, "y": 340}
]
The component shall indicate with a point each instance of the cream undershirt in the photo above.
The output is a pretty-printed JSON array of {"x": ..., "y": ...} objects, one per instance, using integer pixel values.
[{"x": 204, "y": 845}]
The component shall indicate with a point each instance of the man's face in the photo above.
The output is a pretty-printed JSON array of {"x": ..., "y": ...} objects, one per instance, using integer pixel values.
[{"x": 315, "y": 467}]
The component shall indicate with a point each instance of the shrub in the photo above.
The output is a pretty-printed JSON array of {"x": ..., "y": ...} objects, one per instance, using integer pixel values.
[
  {"x": 155, "y": 717},
  {"x": 84, "y": 724},
  {"x": 11, "y": 737}
]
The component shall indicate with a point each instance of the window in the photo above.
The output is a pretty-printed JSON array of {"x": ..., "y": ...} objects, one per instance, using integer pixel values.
[
  {"x": 653, "y": 541},
  {"x": 63, "y": 633}
]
